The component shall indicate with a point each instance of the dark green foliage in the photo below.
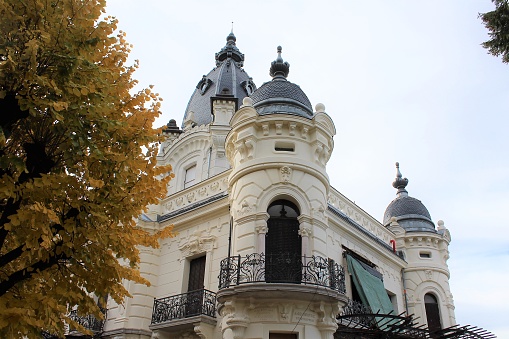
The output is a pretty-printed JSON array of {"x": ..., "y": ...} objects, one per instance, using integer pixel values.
[{"x": 497, "y": 22}]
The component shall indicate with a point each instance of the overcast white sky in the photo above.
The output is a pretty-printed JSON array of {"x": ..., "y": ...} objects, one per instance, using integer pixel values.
[{"x": 403, "y": 81}]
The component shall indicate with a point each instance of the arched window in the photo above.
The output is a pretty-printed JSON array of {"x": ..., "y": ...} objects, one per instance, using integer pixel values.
[
  {"x": 432, "y": 312},
  {"x": 283, "y": 243}
]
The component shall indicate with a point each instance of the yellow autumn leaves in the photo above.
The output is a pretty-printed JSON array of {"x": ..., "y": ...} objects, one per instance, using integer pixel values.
[{"x": 77, "y": 164}]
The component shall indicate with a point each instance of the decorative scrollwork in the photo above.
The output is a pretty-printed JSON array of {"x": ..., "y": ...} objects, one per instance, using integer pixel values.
[
  {"x": 90, "y": 322},
  {"x": 281, "y": 268},
  {"x": 184, "y": 305}
]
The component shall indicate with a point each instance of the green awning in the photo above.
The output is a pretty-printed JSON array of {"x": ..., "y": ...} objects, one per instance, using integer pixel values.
[{"x": 370, "y": 288}]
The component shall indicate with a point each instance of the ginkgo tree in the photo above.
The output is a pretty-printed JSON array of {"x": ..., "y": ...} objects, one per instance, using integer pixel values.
[{"x": 77, "y": 163}]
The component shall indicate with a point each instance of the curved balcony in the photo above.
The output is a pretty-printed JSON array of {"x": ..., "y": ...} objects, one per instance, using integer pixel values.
[{"x": 282, "y": 269}]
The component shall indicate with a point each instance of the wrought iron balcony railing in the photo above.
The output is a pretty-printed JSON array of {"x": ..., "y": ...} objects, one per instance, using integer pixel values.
[
  {"x": 89, "y": 321},
  {"x": 281, "y": 268},
  {"x": 185, "y": 305}
]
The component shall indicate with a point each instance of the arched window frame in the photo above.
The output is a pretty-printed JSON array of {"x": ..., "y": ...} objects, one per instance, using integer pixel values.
[
  {"x": 433, "y": 312},
  {"x": 283, "y": 256}
]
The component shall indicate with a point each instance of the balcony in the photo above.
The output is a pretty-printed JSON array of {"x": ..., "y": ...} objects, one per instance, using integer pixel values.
[
  {"x": 184, "y": 309},
  {"x": 89, "y": 322},
  {"x": 281, "y": 269}
]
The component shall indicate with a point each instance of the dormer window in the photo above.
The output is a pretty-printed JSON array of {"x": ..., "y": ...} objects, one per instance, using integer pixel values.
[
  {"x": 204, "y": 84},
  {"x": 248, "y": 86}
]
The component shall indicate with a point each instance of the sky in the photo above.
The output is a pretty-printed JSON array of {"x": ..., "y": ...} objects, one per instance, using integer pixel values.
[{"x": 404, "y": 81}]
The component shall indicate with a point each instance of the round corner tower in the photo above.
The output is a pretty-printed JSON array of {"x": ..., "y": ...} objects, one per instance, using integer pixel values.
[
  {"x": 278, "y": 148},
  {"x": 426, "y": 250}
]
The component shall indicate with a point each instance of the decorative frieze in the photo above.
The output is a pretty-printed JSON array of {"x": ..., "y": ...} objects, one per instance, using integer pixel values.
[
  {"x": 431, "y": 241},
  {"x": 195, "y": 193},
  {"x": 355, "y": 213}
]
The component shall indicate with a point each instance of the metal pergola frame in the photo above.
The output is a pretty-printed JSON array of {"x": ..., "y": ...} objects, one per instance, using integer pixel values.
[{"x": 359, "y": 322}]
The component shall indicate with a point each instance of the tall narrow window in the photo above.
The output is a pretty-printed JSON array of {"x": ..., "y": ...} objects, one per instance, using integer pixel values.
[
  {"x": 190, "y": 176},
  {"x": 196, "y": 274},
  {"x": 432, "y": 312},
  {"x": 283, "y": 243},
  {"x": 194, "y": 299}
]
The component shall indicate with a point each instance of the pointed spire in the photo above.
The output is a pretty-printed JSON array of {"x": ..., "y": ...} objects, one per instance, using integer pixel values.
[
  {"x": 231, "y": 39},
  {"x": 279, "y": 68},
  {"x": 400, "y": 183}
]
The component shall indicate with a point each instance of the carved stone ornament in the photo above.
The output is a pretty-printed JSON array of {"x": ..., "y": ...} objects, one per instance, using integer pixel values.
[
  {"x": 261, "y": 229},
  {"x": 305, "y": 231},
  {"x": 429, "y": 274},
  {"x": 197, "y": 242},
  {"x": 265, "y": 129},
  {"x": 285, "y": 173},
  {"x": 245, "y": 208},
  {"x": 319, "y": 212}
]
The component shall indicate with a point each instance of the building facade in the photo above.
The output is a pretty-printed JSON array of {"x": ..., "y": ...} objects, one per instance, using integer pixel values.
[{"x": 265, "y": 247}]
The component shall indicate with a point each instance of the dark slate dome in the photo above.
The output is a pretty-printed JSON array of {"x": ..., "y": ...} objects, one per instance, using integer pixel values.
[
  {"x": 227, "y": 80},
  {"x": 280, "y": 96},
  {"x": 410, "y": 213}
]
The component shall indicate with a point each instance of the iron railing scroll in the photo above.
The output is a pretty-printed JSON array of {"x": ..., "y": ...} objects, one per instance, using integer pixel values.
[
  {"x": 190, "y": 304},
  {"x": 89, "y": 321},
  {"x": 281, "y": 268}
]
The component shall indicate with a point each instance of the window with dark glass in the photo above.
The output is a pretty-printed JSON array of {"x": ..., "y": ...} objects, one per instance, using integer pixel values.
[
  {"x": 283, "y": 243},
  {"x": 195, "y": 286},
  {"x": 432, "y": 312}
]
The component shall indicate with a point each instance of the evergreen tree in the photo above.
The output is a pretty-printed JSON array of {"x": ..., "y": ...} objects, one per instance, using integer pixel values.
[{"x": 497, "y": 22}]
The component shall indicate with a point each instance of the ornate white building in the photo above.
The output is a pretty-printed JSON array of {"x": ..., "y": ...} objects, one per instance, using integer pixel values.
[{"x": 265, "y": 247}]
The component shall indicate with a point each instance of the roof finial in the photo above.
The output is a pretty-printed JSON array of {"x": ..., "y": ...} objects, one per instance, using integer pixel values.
[
  {"x": 279, "y": 68},
  {"x": 231, "y": 39},
  {"x": 400, "y": 183}
]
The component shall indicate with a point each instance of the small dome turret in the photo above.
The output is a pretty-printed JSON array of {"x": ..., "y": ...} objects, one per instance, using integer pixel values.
[
  {"x": 280, "y": 96},
  {"x": 227, "y": 80},
  {"x": 410, "y": 213}
]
